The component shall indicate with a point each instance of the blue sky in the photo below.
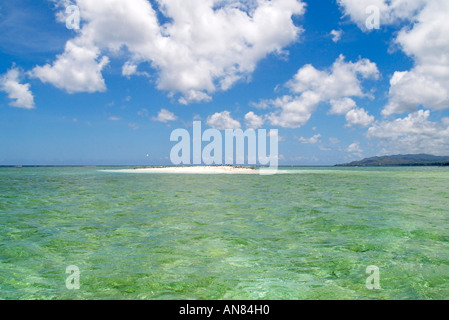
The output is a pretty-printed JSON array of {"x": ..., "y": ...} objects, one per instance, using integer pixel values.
[{"x": 111, "y": 92}]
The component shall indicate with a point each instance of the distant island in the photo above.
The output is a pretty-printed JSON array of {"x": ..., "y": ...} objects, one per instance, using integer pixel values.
[{"x": 400, "y": 161}]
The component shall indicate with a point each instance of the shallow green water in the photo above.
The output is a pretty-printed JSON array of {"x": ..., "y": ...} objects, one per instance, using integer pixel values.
[{"x": 309, "y": 234}]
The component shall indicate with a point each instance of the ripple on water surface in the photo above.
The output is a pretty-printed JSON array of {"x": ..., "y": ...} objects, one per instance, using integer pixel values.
[{"x": 305, "y": 234}]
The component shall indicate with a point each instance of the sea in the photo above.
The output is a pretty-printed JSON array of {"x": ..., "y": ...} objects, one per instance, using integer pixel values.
[{"x": 304, "y": 234}]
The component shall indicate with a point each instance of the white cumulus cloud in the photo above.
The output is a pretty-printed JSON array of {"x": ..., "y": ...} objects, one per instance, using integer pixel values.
[
  {"x": 415, "y": 133},
  {"x": 336, "y": 35},
  {"x": 313, "y": 140},
  {"x": 423, "y": 36},
  {"x": 359, "y": 117},
  {"x": 293, "y": 112},
  {"x": 129, "y": 69},
  {"x": 391, "y": 11},
  {"x": 20, "y": 94},
  {"x": 342, "y": 106},
  {"x": 78, "y": 69},
  {"x": 343, "y": 80},
  {"x": 311, "y": 86},
  {"x": 355, "y": 149},
  {"x": 223, "y": 121},
  {"x": 165, "y": 116},
  {"x": 253, "y": 121},
  {"x": 427, "y": 42},
  {"x": 197, "y": 48}
]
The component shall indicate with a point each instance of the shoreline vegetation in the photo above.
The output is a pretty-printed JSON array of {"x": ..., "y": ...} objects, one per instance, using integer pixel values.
[{"x": 409, "y": 160}]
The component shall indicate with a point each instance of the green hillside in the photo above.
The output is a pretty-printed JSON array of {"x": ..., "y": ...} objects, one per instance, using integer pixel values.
[{"x": 400, "y": 160}]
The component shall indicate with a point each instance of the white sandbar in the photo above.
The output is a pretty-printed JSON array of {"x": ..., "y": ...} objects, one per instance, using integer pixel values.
[{"x": 194, "y": 170}]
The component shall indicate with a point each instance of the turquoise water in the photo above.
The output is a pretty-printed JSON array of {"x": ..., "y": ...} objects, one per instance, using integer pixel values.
[{"x": 309, "y": 234}]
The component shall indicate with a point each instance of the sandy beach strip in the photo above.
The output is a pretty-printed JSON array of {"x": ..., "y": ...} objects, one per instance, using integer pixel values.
[{"x": 194, "y": 170}]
